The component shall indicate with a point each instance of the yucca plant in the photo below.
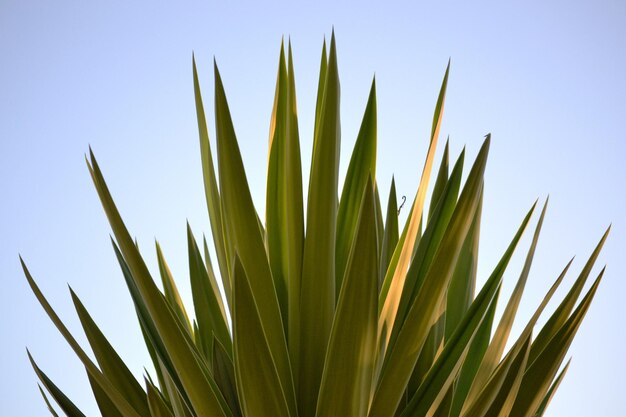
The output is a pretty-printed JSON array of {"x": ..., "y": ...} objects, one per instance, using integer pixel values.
[{"x": 336, "y": 311}]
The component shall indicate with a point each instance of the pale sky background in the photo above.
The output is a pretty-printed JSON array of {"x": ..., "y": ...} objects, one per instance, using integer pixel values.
[{"x": 547, "y": 79}]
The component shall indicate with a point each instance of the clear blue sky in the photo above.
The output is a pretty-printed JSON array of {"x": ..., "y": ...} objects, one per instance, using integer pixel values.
[{"x": 547, "y": 80}]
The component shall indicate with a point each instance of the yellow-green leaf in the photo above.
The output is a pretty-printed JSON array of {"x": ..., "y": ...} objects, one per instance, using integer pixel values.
[
  {"x": 258, "y": 382},
  {"x": 317, "y": 300},
  {"x": 347, "y": 377}
]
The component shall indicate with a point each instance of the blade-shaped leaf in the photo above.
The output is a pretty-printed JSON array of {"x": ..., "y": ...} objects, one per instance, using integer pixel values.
[
  {"x": 555, "y": 385},
  {"x": 496, "y": 347},
  {"x": 350, "y": 358},
  {"x": 392, "y": 297},
  {"x": 224, "y": 374},
  {"x": 362, "y": 165},
  {"x": 398, "y": 363},
  {"x": 443, "y": 372},
  {"x": 390, "y": 238},
  {"x": 45, "y": 398},
  {"x": 562, "y": 312},
  {"x": 207, "y": 301},
  {"x": 243, "y": 232},
  {"x": 115, "y": 396},
  {"x": 61, "y": 399},
  {"x": 210, "y": 187},
  {"x": 317, "y": 302},
  {"x": 539, "y": 374},
  {"x": 158, "y": 406},
  {"x": 202, "y": 392},
  {"x": 110, "y": 362},
  {"x": 258, "y": 382},
  {"x": 170, "y": 289}
]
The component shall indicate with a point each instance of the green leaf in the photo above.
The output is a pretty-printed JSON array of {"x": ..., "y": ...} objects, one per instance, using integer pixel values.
[
  {"x": 258, "y": 382},
  {"x": 555, "y": 385},
  {"x": 443, "y": 372},
  {"x": 171, "y": 291},
  {"x": 463, "y": 281},
  {"x": 348, "y": 368},
  {"x": 45, "y": 398},
  {"x": 503, "y": 383},
  {"x": 207, "y": 301},
  {"x": 393, "y": 295},
  {"x": 317, "y": 300},
  {"x": 105, "y": 405},
  {"x": 275, "y": 202},
  {"x": 427, "y": 248},
  {"x": 110, "y": 362},
  {"x": 390, "y": 238},
  {"x": 440, "y": 182},
  {"x": 294, "y": 217},
  {"x": 158, "y": 406},
  {"x": 197, "y": 384},
  {"x": 320, "y": 90},
  {"x": 243, "y": 231},
  {"x": 561, "y": 313},
  {"x": 542, "y": 370},
  {"x": 284, "y": 207},
  {"x": 500, "y": 338},
  {"x": 398, "y": 363},
  {"x": 61, "y": 399},
  {"x": 224, "y": 374},
  {"x": 362, "y": 165},
  {"x": 211, "y": 191},
  {"x": 115, "y": 396}
]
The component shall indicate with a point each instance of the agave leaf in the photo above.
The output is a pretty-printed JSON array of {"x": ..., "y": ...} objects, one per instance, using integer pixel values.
[
  {"x": 362, "y": 164},
  {"x": 258, "y": 383},
  {"x": 428, "y": 246},
  {"x": 275, "y": 202},
  {"x": 475, "y": 353},
  {"x": 284, "y": 207},
  {"x": 197, "y": 384},
  {"x": 426, "y": 249},
  {"x": 211, "y": 191},
  {"x": 496, "y": 347},
  {"x": 350, "y": 358},
  {"x": 116, "y": 397},
  {"x": 224, "y": 374},
  {"x": 317, "y": 302},
  {"x": 380, "y": 225},
  {"x": 321, "y": 85},
  {"x": 294, "y": 218},
  {"x": 481, "y": 342},
  {"x": 390, "y": 238},
  {"x": 540, "y": 373},
  {"x": 562, "y": 312},
  {"x": 158, "y": 406},
  {"x": 398, "y": 363},
  {"x": 171, "y": 291},
  {"x": 244, "y": 234},
  {"x": 526, "y": 333},
  {"x": 443, "y": 372},
  {"x": 207, "y": 302},
  {"x": 110, "y": 362},
  {"x": 463, "y": 281},
  {"x": 392, "y": 297},
  {"x": 442, "y": 179},
  {"x": 105, "y": 405},
  {"x": 503, "y": 382},
  {"x": 168, "y": 377},
  {"x": 504, "y": 400},
  {"x": 555, "y": 385},
  {"x": 61, "y": 399},
  {"x": 45, "y": 398}
]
